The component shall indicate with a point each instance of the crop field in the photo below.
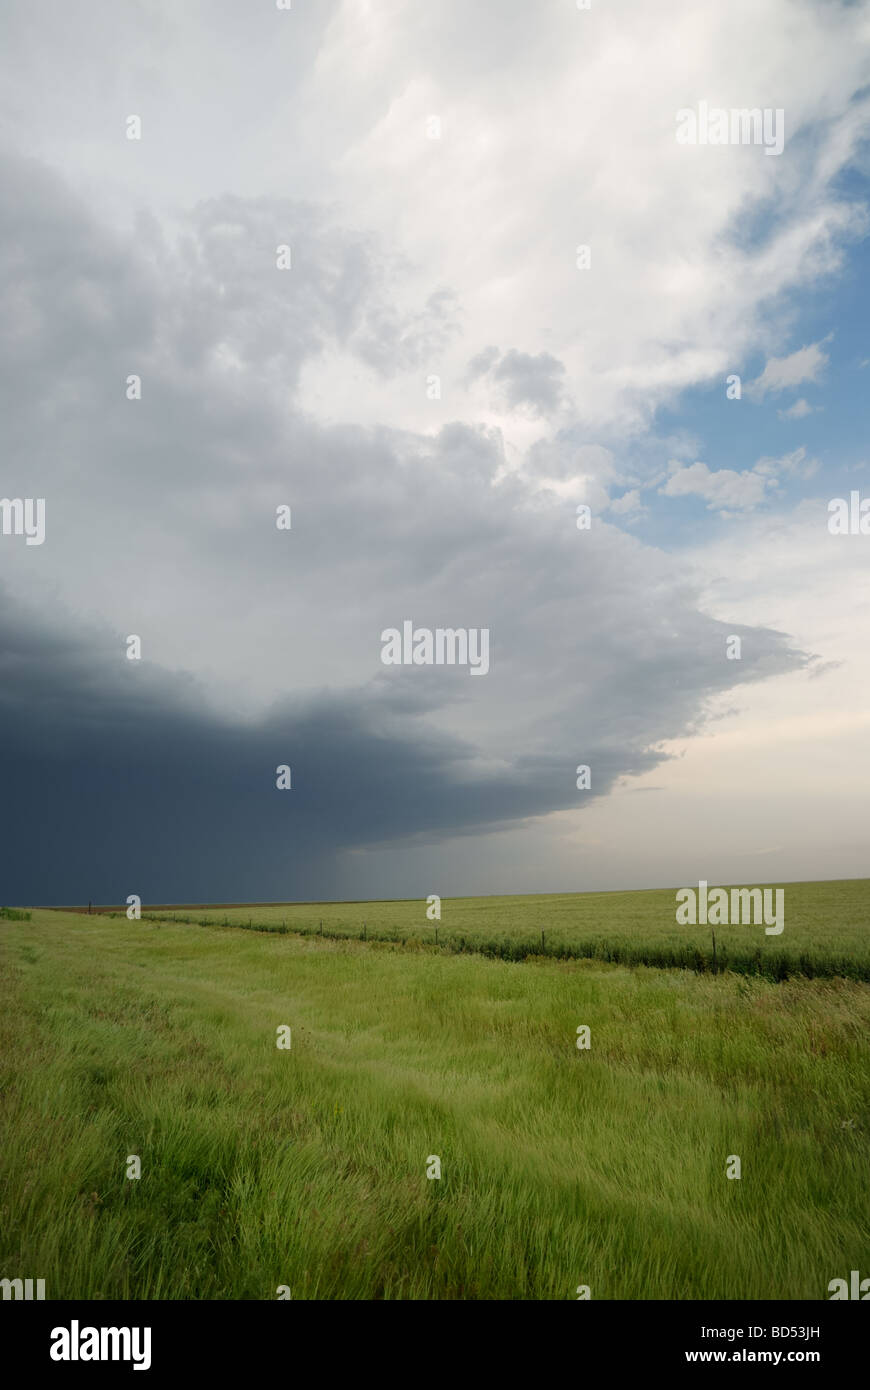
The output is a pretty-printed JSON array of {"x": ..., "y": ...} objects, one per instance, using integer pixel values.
[
  {"x": 304, "y": 1168},
  {"x": 827, "y": 928}
]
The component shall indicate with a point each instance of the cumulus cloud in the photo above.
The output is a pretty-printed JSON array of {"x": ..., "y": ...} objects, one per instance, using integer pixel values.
[
  {"x": 628, "y": 505},
  {"x": 534, "y": 103},
  {"x": 795, "y": 465},
  {"x": 525, "y": 380},
  {"x": 722, "y": 488},
  {"x": 727, "y": 490},
  {"x": 783, "y": 373}
]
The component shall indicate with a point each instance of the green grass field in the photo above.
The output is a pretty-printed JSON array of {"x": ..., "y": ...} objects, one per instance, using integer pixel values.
[
  {"x": 827, "y": 928},
  {"x": 307, "y": 1168}
]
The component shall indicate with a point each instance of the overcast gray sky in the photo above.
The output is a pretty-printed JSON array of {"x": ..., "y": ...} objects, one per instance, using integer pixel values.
[{"x": 451, "y": 504}]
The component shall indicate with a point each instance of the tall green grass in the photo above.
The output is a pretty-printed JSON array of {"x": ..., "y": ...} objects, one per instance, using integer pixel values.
[
  {"x": 306, "y": 1167},
  {"x": 827, "y": 929}
]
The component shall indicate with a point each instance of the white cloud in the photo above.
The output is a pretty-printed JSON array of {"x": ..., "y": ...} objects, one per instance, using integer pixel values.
[
  {"x": 722, "y": 489},
  {"x": 670, "y": 300},
  {"x": 798, "y": 411},
  {"x": 781, "y": 373},
  {"x": 726, "y": 490},
  {"x": 557, "y": 129},
  {"x": 794, "y": 465},
  {"x": 628, "y": 505}
]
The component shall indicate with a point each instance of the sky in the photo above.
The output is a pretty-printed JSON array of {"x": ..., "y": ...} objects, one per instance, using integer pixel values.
[{"x": 433, "y": 277}]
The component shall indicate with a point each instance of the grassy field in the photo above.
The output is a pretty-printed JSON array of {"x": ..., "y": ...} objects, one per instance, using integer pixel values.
[
  {"x": 307, "y": 1167},
  {"x": 827, "y": 928}
]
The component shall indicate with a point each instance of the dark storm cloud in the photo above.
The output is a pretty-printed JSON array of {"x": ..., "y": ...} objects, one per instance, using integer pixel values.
[{"x": 120, "y": 779}]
